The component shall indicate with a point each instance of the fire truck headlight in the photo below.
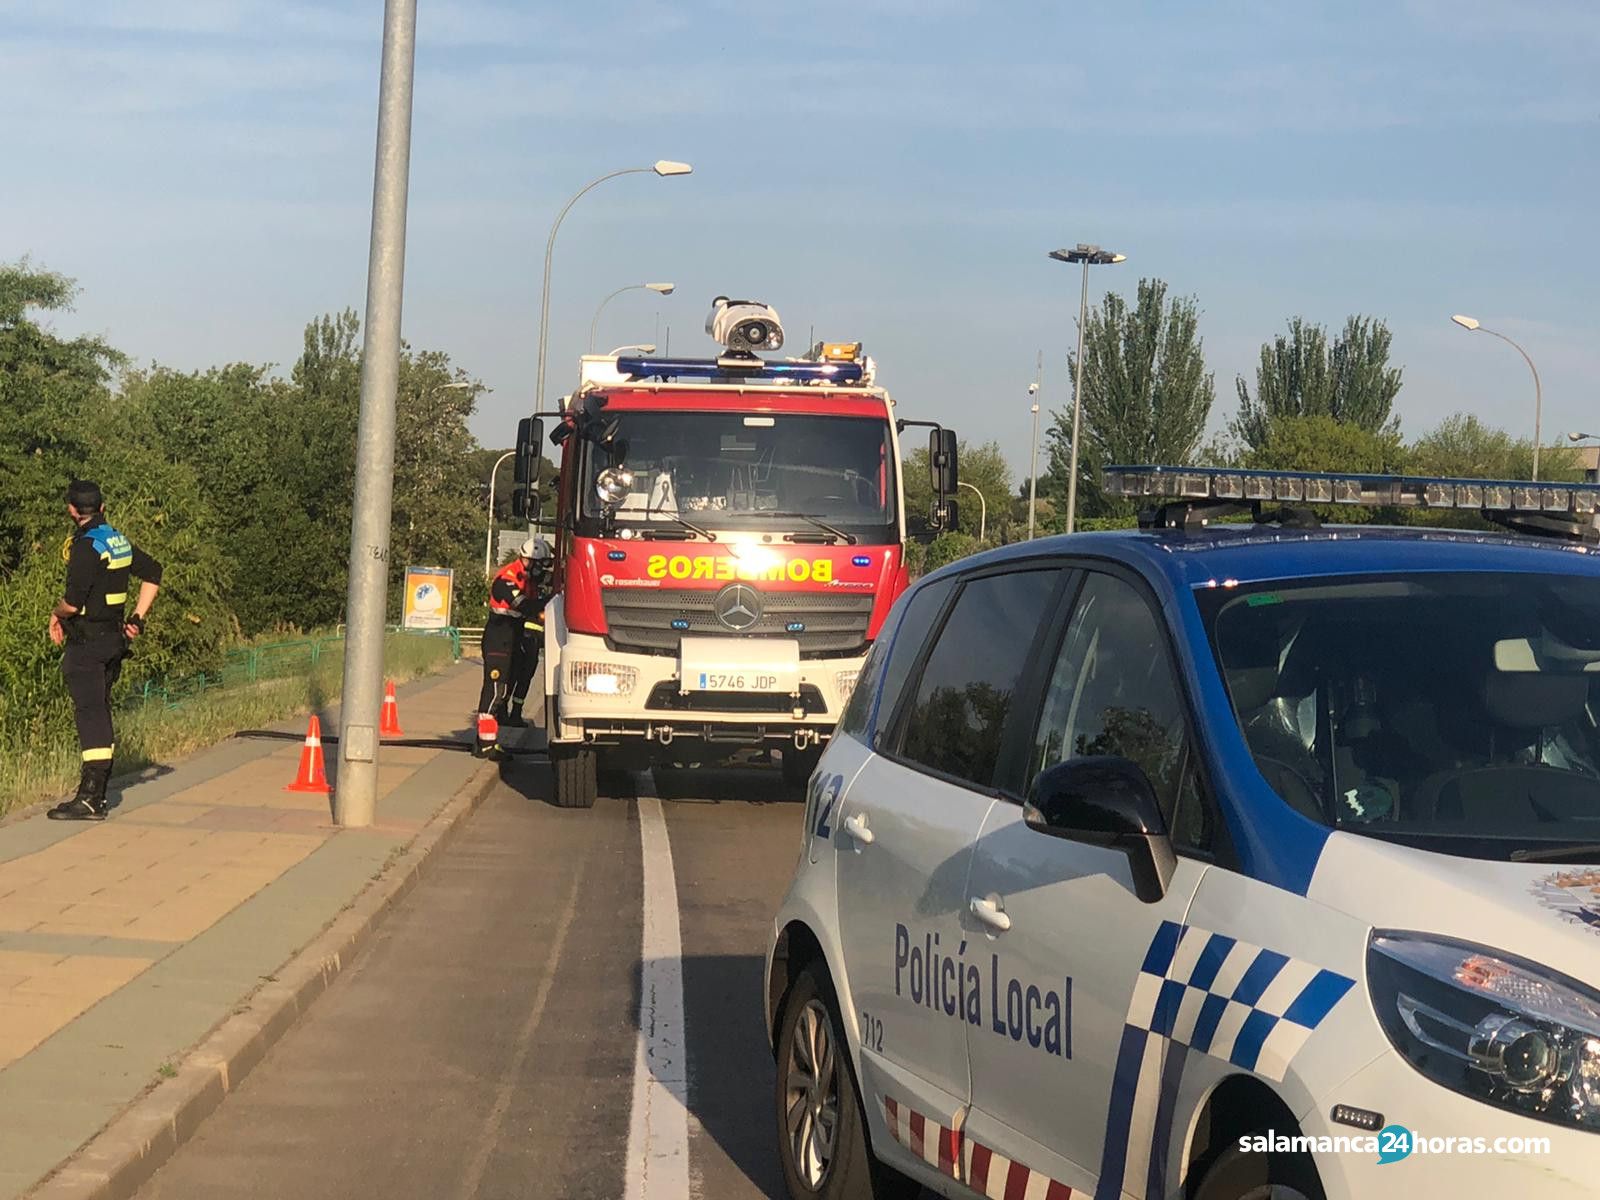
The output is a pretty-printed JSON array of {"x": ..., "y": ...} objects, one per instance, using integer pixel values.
[
  {"x": 613, "y": 484},
  {"x": 845, "y": 681},
  {"x": 601, "y": 678}
]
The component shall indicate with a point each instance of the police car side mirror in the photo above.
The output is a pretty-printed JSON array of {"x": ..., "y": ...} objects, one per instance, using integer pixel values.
[{"x": 1104, "y": 800}]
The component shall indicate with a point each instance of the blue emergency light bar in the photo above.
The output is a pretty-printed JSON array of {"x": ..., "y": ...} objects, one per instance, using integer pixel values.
[
  {"x": 727, "y": 369},
  {"x": 1228, "y": 485}
]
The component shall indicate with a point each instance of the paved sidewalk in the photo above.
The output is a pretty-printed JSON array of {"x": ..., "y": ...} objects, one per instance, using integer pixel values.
[{"x": 122, "y": 944}]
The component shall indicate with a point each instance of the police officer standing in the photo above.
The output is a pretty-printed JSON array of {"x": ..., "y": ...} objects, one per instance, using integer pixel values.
[
  {"x": 90, "y": 620},
  {"x": 530, "y": 639},
  {"x": 513, "y": 599}
]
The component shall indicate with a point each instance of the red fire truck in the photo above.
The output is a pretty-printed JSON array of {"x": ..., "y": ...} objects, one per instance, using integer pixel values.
[{"x": 730, "y": 533}]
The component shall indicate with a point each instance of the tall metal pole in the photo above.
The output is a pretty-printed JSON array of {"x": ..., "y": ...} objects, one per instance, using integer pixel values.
[
  {"x": 1033, "y": 448},
  {"x": 488, "y": 541},
  {"x": 1077, "y": 405},
  {"x": 356, "y": 799},
  {"x": 544, "y": 295},
  {"x": 1538, "y": 398}
]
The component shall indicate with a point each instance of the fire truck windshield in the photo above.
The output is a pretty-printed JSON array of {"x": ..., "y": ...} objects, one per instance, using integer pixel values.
[{"x": 734, "y": 470}]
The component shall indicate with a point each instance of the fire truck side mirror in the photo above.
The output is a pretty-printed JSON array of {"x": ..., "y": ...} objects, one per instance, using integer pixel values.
[
  {"x": 943, "y": 516},
  {"x": 942, "y": 474},
  {"x": 525, "y": 466},
  {"x": 519, "y": 502}
]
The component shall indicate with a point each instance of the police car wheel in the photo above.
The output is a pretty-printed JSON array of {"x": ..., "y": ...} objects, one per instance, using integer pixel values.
[
  {"x": 1252, "y": 1175},
  {"x": 822, "y": 1138}
]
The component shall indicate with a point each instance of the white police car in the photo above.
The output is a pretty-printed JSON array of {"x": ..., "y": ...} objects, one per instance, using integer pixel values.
[{"x": 1214, "y": 862}]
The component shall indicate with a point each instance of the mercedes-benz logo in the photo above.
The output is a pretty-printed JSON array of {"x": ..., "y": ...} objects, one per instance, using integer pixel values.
[{"x": 738, "y": 607}]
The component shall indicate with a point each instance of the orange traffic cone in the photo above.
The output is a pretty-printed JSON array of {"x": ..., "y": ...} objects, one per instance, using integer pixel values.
[
  {"x": 389, "y": 720},
  {"x": 311, "y": 777}
]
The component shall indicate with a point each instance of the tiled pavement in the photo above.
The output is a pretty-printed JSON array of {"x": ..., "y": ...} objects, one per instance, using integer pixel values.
[{"x": 122, "y": 944}]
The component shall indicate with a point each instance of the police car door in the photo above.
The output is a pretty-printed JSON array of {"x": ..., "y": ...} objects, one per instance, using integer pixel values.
[
  {"x": 904, "y": 833},
  {"x": 1065, "y": 1078}
]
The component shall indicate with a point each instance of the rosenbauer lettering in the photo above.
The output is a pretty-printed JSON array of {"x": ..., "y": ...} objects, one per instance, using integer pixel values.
[{"x": 710, "y": 566}]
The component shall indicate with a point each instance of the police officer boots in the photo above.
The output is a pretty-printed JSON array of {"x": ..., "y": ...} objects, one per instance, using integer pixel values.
[{"x": 89, "y": 802}]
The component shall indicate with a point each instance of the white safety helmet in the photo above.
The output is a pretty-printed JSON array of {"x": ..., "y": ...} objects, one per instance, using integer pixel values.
[{"x": 537, "y": 548}]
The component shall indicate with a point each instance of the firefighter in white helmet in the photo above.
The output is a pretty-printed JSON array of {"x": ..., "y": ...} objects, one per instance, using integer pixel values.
[{"x": 530, "y": 638}]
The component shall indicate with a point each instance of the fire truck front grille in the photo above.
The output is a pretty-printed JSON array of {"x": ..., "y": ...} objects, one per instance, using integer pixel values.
[{"x": 651, "y": 620}]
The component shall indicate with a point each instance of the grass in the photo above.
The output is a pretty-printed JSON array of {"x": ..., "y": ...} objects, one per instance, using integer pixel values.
[{"x": 155, "y": 733}]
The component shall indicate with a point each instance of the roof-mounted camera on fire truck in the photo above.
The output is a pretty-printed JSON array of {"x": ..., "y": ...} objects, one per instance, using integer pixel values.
[{"x": 744, "y": 327}]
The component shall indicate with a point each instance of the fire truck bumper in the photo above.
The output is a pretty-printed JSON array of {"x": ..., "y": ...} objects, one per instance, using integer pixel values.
[{"x": 738, "y": 692}]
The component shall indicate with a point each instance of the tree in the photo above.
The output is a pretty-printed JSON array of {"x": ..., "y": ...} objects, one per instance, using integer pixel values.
[
  {"x": 51, "y": 390},
  {"x": 1301, "y": 375},
  {"x": 1146, "y": 393},
  {"x": 1463, "y": 447},
  {"x": 985, "y": 468},
  {"x": 1324, "y": 443}
]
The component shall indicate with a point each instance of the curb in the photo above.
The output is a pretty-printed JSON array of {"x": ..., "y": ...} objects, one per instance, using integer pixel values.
[{"x": 122, "y": 1157}]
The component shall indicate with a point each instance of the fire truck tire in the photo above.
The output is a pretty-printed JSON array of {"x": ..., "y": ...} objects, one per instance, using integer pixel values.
[
  {"x": 798, "y": 765},
  {"x": 576, "y": 775}
]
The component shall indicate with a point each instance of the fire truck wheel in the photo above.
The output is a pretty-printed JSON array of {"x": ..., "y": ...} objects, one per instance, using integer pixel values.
[
  {"x": 798, "y": 765},
  {"x": 576, "y": 774}
]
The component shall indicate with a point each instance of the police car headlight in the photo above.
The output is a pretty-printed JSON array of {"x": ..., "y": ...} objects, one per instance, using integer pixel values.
[
  {"x": 1490, "y": 1025},
  {"x": 601, "y": 678}
]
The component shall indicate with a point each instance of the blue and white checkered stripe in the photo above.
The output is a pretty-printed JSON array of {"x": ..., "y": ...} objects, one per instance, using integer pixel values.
[{"x": 1216, "y": 995}]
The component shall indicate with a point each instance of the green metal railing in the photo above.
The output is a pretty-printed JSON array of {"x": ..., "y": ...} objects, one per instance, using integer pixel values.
[{"x": 248, "y": 665}]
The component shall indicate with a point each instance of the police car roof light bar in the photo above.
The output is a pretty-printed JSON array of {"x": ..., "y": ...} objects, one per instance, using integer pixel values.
[
  {"x": 1489, "y": 496},
  {"x": 715, "y": 370}
]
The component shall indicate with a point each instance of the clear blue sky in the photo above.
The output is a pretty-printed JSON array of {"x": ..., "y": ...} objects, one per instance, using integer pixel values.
[{"x": 889, "y": 170}]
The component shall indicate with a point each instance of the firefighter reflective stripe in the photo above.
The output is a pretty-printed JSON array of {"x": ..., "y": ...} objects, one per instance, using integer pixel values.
[
  {"x": 534, "y": 625},
  {"x": 117, "y": 598},
  {"x": 99, "y": 754}
]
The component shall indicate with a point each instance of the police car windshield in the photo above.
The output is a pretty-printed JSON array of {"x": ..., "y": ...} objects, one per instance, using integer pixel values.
[
  {"x": 742, "y": 470},
  {"x": 1459, "y": 712}
]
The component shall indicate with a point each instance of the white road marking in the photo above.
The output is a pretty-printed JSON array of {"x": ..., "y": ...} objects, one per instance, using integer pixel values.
[{"x": 658, "y": 1129}]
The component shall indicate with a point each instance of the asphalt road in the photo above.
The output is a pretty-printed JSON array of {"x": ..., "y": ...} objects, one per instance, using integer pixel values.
[{"x": 484, "y": 1044}]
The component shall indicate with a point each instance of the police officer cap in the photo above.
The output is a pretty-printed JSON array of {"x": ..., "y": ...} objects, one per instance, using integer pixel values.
[{"x": 85, "y": 496}]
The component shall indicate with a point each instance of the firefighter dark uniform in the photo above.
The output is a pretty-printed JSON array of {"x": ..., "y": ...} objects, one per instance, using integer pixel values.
[
  {"x": 508, "y": 594},
  {"x": 530, "y": 639},
  {"x": 99, "y": 562}
]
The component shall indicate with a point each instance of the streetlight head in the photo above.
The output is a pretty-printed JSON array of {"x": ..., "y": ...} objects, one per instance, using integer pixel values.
[
  {"x": 1085, "y": 253},
  {"x": 1575, "y": 436},
  {"x": 1033, "y": 388},
  {"x": 667, "y": 167},
  {"x": 665, "y": 289},
  {"x": 1465, "y": 322}
]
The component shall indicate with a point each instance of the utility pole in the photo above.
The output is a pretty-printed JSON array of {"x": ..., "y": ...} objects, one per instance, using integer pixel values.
[
  {"x": 356, "y": 800},
  {"x": 1033, "y": 449}
]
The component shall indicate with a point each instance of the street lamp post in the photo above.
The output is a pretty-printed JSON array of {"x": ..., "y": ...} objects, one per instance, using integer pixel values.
[
  {"x": 1471, "y": 323},
  {"x": 660, "y": 289},
  {"x": 1033, "y": 447},
  {"x": 983, "y": 508},
  {"x": 663, "y": 168},
  {"x": 488, "y": 541},
  {"x": 1590, "y": 474},
  {"x": 1089, "y": 256},
  {"x": 355, "y": 803}
]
